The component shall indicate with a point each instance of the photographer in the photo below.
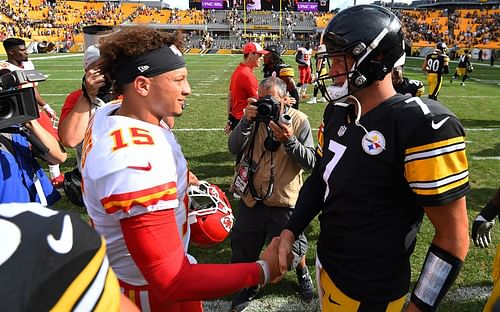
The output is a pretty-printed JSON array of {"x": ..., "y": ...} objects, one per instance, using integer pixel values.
[
  {"x": 277, "y": 152},
  {"x": 81, "y": 104},
  {"x": 23, "y": 180}
]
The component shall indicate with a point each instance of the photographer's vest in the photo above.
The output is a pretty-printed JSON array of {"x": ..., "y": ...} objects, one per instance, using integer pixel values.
[{"x": 287, "y": 171}]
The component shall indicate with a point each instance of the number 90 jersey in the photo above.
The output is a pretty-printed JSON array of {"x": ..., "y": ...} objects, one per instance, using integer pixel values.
[
  {"x": 436, "y": 62},
  {"x": 130, "y": 167},
  {"x": 408, "y": 153}
]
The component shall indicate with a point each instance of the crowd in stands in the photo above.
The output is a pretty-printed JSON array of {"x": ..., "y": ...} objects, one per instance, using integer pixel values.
[
  {"x": 465, "y": 28},
  {"x": 62, "y": 21}
]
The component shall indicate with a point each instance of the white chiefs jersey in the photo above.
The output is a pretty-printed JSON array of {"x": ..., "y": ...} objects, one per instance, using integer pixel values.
[
  {"x": 306, "y": 55},
  {"x": 131, "y": 167},
  {"x": 28, "y": 65}
]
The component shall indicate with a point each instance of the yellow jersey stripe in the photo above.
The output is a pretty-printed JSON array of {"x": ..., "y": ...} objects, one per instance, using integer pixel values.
[
  {"x": 169, "y": 194},
  {"x": 81, "y": 282},
  {"x": 435, "y": 145},
  {"x": 436, "y": 168}
]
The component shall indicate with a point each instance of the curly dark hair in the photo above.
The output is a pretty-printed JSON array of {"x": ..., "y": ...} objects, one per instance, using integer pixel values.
[{"x": 127, "y": 44}]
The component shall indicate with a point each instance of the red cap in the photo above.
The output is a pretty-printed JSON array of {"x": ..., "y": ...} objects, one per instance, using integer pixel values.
[{"x": 253, "y": 47}]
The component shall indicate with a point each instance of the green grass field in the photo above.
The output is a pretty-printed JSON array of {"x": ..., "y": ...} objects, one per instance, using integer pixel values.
[{"x": 199, "y": 131}]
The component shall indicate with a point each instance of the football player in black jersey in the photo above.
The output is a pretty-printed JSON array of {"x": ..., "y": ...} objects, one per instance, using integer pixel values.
[
  {"x": 53, "y": 261},
  {"x": 275, "y": 67},
  {"x": 481, "y": 235},
  {"x": 435, "y": 66},
  {"x": 463, "y": 68},
  {"x": 406, "y": 86},
  {"x": 384, "y": 160}
]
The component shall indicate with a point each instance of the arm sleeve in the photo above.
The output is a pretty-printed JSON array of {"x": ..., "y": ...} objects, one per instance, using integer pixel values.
[
  {"x": 239, "y": 136},
  {"x": 154, "y": 244},
  {"x": 492, "y": 209},
  {"x": 301, "y": 146}
]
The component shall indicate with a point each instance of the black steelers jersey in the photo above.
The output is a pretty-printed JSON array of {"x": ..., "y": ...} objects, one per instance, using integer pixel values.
[
  {"x": 464, "y": 60},
  {"x": 53, "y": 261},
  {"x": 410, "y": 87},
  {"x": 437, "y": 62},
  {"x": 278, "y": 70},
  {"x": 370, "y": 184}
]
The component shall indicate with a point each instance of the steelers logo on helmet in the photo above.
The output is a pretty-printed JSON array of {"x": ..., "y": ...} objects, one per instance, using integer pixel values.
[
  {"x": 373, "y": 143},
  {"x": 369, "y": 53},
  {"x": 210, "y": 216}
]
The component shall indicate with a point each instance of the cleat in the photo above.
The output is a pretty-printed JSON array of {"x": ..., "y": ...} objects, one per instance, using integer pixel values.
[
  {"x": 306, "y": 292},
  {"x": 242, "y": 299}
]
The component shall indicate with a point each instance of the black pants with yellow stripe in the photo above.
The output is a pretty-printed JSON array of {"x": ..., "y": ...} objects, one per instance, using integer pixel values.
[{"x": 332, "y": 299}]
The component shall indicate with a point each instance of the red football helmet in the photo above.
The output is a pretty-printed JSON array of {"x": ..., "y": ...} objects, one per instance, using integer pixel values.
[{"x": 210, "y": 214}]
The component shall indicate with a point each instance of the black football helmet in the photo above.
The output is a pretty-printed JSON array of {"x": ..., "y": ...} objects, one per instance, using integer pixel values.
[
  {"x": 441, "y": 46},
  {"x": 372, "y": 35}
]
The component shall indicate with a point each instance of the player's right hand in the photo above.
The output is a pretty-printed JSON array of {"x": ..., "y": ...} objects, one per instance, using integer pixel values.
[
  {"x": 270, "y": 255},
  {"x": 285, "y": 250},
  {"x": 481, "y": 231}
]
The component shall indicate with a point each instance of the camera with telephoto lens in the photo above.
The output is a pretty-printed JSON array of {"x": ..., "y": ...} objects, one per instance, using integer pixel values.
[
  {"x": 268, "y": 108},
  {"x": 17, "y": 96}
]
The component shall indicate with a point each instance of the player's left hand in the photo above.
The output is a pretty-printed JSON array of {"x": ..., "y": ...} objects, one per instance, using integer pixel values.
[
  {"x": 282, "y": 132},
  {"x": 481, "y": 231}
]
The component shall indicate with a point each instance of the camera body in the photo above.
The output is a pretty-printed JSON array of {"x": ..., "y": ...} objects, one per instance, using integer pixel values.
[
  {"x": 17, "y": 97},
  {"x": 268, "y": 109}
]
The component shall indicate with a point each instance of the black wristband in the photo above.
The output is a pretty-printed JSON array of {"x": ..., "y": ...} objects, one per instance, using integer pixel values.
[{"x": 438, "y": 273}]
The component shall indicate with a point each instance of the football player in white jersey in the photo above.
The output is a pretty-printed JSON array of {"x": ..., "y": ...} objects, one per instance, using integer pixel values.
[
  {"x": 135, "y": 181},
  {"x": 303, "y": 59},
  {"x": 17, "y": 59}
]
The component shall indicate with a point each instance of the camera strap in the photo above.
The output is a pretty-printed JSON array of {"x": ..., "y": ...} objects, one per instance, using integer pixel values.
[
  {"x": 252, "y": 170},
  {"x": 6, "y": 144}
]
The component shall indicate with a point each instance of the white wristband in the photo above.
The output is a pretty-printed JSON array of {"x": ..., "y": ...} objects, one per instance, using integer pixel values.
[
  {"x": 46, "y": 107},
  {"x": 265, "y": 269}
]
